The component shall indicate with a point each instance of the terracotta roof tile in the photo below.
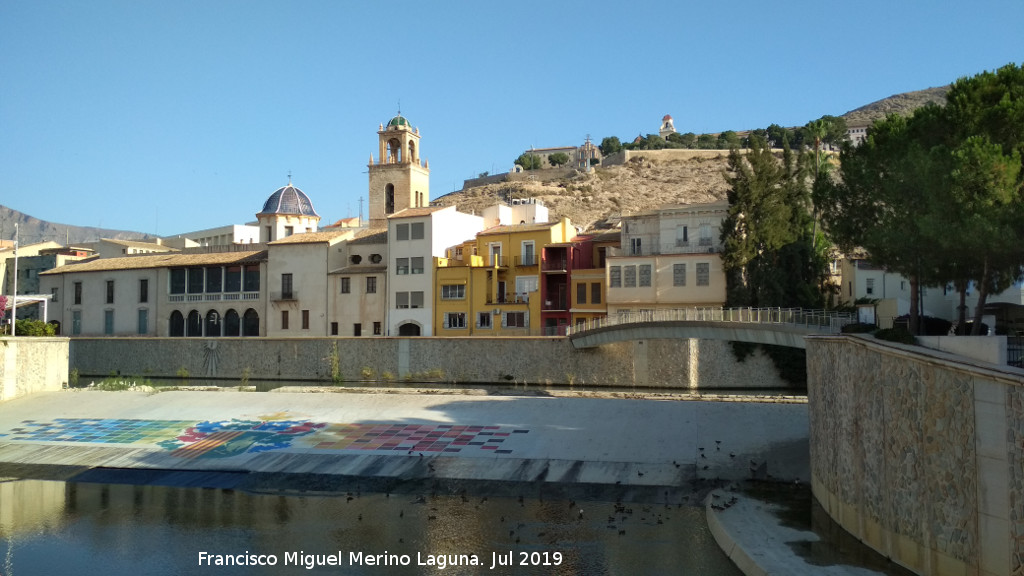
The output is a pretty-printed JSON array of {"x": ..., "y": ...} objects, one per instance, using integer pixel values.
[
  {"x": 311, "y": 237},
  {"x": 149, "y": 261}
]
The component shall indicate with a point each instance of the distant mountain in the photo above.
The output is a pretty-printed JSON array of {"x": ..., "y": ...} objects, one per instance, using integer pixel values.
[
  {"x": 902, "y": 104},
  {"x": 32, "y": 230}
]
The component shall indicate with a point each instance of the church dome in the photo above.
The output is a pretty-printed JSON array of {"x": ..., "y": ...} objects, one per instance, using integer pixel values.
[
  {"x": 399, "y": 121},
  {"x": 289, "y": 200}
]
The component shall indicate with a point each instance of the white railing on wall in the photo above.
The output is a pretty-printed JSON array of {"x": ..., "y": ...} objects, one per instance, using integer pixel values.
[{"x": 821, "y": 320}]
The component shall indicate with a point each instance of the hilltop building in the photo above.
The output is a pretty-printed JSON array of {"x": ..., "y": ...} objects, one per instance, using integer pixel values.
[{"x": 667, "y": 126}]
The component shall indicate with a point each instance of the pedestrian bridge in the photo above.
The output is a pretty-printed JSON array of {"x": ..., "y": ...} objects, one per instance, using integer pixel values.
[{"x": 776, "y": 326}]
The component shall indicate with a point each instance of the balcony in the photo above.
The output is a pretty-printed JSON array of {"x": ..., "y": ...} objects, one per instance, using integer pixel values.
[
  {"x": 555, "y": 265},
  {"x": 284, "y": 296},
  {"x": 556, "y": 305},
  {"x": 509, "y": 298},
  {"x": 523, "y": 261},
  {"x": 702, "y": 246}
]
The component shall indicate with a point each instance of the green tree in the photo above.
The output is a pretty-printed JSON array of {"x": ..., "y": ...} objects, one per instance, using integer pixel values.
[
  {"x": 706, "y": 142},
  {"x": 610, "y": 145},
  {"x": 558, "y": 158},
  {"x": 727, "y": 140},
  {"x": 883, "y": 196},
  {"x": 529, "y": 161},
  {"x": 31, "y": 327},
  {"x": 687, "y": 140}
]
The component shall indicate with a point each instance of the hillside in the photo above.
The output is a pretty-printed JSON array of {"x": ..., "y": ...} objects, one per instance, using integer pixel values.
[
  {"x": 589, "y": 199},
  {"x": 902, "y": 104},
  {"x": 32, "y": 230}
]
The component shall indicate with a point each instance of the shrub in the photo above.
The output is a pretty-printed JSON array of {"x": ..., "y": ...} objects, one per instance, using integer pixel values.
[
  {"x": 858, "y": 328},
  {"x": 30, "y": 327},
  {"x": 896, "y": 335}
]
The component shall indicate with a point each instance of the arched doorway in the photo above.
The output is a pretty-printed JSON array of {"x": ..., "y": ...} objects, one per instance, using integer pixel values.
[
  {"x": 194, "y": 324},
  {"x": 177, "y": 324},
  {"x": 409, "y": 329},
  {"x": 232, "y": 323},
  {"x": 250, "y": 323},
  {"x": 212, "y": 327}
]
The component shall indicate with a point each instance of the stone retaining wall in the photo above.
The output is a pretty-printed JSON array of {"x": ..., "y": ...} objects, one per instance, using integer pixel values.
[
  {"x": 918, "y": 453},
  {"x": 29, "y": 365},
  {"x": 687, "y": 364}
]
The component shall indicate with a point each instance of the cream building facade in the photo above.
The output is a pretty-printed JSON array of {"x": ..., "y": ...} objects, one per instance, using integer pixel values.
[
  {"x": 668, "y": 258},
  {"x": 298, "y": 269},
  {"x": 358, "y": 290},
  {"x": 415, "y": 237}
]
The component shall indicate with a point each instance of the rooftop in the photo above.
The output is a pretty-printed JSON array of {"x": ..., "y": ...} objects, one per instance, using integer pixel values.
[{"x": 167, "y": 260}]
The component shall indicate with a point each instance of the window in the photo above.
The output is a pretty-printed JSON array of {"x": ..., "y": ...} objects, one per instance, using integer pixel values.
[
  {"x": 525, "y": 284},
  {"x": 196, "y": 282},
  {"x": 682, "y": 235},
  {"x": 284, "y": 319},
  {"x": 144, "y": 290},
  {"x": 515, "y": 319},
  {"x": 357, "y": 329},
  {"x": 371, "y": 284},
  {"x": 595, "y": 293},
  {"x": 705, "y": 235},
  {"x": 233, "y": 279},
  {"x": 286, "y": 286},
  {"x": 76, "y": 322},
  {"x": 417, "y": 265},
  {"x": 416, "y": 231},
  {"x": 346, "y": 285},
  {"x": 143, "y": 321},
  {"x": 635, "y": 247},
  {"x": 78, "y": 292},
  {"x": 110, "y": 291},
  {"x": 288, "y": 231},
  {"x": 614, "y": 277},
  {"x": 416, "y": 299},
  {"x": 401, "y": 300},
  {"x": 629, "y": 276},
  {"x": 581, "y": 293},
  {"x": 376, "y": 258},
  {"x": 495, "y": 251},
  {"x": 355, "y": 259},
  {"x": 528, "y": 254},
  {"x": 401, "y": 232},
  {"x": 251, "y": 278},
  {"x": 453, "y": 292},
  {"x": 645, "y": 274},
  {"x": 679, "y": 274},
  {"x": 334, "y": 328},
  {"x": 53, "y": 295},
  {"x": 455, "y": 320},
  {"x": 305, "y": 319},
  {"x": 401, "y": 266},
  {"x": 108, "y": 322},
  {"x": 376, "y": 329},
  {"x": 213, "y": 280},
  {"x": 483, "y": 320},
  {"x": 870, "y": 286},
  {"x": 703, "y": 274}
]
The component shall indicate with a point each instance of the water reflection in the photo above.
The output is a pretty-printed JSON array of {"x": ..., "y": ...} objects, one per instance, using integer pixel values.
[{"x": 51, "y": 527}]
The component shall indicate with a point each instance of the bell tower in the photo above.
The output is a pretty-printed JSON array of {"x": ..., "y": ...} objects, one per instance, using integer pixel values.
[{"x": 398, "y": 179}]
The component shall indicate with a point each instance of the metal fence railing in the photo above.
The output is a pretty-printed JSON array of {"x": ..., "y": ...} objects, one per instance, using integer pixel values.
[
  {"x": 826, "y": 321},
  {"x": 1015, "y": 351}
]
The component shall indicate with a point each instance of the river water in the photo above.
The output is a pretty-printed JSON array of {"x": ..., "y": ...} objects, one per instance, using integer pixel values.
[{"x": 57, "y": 527}]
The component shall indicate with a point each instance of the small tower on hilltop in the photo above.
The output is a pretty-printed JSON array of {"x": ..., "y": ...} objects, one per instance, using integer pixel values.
[
  {"x": 398, "y": 179},
  {"x": 667, "y": 127}
]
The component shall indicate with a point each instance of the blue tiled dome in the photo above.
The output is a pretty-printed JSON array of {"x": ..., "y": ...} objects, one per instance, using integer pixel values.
[{"x": 289, "y": 200}]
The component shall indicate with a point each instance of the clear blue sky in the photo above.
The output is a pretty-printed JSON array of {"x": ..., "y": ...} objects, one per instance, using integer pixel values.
[{"x": 171, "y": 116}]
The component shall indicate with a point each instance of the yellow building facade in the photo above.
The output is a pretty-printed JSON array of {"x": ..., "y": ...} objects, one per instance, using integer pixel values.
[{"x": 493, "y": 285}]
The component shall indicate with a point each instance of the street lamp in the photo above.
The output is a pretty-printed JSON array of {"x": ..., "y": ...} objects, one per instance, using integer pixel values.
[{"x": 14, "y": 306}]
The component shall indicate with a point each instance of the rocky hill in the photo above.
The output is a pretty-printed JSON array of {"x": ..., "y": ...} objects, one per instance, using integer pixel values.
[
  {"x": 607, "y": 192},
  {"x": 32, "y": 230},
  {"x": 902, "y": 104}
]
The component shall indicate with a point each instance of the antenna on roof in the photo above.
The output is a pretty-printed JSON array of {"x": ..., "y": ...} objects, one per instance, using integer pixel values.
[
  {"x": 289, "y": 177},
  {"x": 399, "y": 106}
]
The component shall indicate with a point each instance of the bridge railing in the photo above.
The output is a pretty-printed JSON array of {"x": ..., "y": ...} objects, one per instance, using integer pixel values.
[{"x": 827, "y": 321}]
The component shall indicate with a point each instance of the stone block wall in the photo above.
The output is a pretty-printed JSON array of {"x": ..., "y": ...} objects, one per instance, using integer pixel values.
[
  {"x": 30, "y": 365},
  {"x": 919, "y": 454},
  {"x": 685, "y": 364}
]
